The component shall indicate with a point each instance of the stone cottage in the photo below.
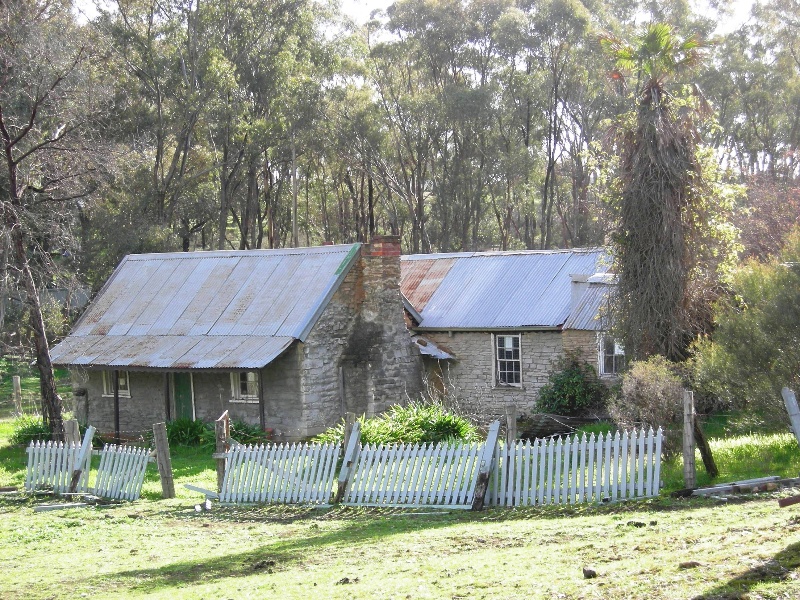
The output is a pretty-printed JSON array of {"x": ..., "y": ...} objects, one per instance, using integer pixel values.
[
  {"x": 289, "y": 339},
  {"x": 490, "y": 325}
]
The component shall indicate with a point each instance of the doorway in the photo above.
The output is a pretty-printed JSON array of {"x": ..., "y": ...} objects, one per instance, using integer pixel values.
[{"x": 183, "y": 393}]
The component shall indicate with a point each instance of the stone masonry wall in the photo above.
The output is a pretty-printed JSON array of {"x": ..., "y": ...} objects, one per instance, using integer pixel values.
[
  {"x": 360, "y": 345},
  {"x": 471, "y": 374},
  {"x": 584, "y": 343},
  {"x": 136, "y": 414}
]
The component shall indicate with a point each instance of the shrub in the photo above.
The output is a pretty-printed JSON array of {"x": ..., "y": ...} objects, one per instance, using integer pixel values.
[
  {"x": 245, "y": 433},
  {"x": 572, "y": 387},
  {"x": 186, "y": 432},
  {"x": 29, "y": 428},
  {"x": 651, "y": 395},
  {"x": 417, "y": 422}
]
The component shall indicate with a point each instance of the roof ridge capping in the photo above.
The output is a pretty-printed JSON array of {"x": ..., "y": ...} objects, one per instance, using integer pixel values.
[
  {"x": 197, "y": 254},
  {"x": 490, "y": 253}
]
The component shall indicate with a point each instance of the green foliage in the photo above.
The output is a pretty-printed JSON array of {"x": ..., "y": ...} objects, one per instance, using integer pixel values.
[
  {"x": 651, "y": 395},
  {"x": 601, "y": 427},
  {"x": 754, "y": 350},
  {"x": 415, "y": 423},
  {"x": 245, "y": 433},
  {"x": 572, "y": 387},
  {"x": 186, "y": 432},
  {"x": 29, "y": 428}
]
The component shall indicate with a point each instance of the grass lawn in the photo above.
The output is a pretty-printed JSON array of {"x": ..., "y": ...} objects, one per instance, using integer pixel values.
[{"x": 744, "y": 547}]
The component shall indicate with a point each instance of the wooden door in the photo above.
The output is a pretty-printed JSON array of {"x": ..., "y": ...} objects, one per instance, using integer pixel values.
[{"x": 184, "y": 395}]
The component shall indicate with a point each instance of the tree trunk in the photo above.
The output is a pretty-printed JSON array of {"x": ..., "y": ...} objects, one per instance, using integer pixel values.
[{"x": 51, "y": 402}]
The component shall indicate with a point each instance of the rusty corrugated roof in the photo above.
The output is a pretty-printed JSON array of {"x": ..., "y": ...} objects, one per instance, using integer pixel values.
[
  {"x": 496, "y": 290},
  {"x": 206, "y": 310}
]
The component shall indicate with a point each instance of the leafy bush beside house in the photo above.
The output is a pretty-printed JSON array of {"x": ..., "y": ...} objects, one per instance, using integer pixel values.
[
  {"x": 651, "y": 395},
  {"x": 572, "y": 387}
]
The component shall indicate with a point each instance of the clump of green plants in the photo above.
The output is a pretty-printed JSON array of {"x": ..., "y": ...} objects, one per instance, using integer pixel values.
[
  {"x": 187, "y": 432},
  {"x": 573, "y": 386},
  {"x": 29, "y": 428},
  {"x": 245, "y": 433},
  {"x": 651, "y": 395},
  {"x": 415, "y": 423}
]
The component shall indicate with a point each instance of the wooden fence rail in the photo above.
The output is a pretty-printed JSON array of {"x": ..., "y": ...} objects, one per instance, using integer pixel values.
[{"x": 577, "y": 469}]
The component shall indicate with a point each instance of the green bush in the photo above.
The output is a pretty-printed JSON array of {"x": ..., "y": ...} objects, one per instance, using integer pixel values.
[
  {"x": 29, "y": 428},
  {"x": 415, "y": 423},
  {"x": 186, "y": 432},
  {"x": 573, "y": 386},
  {"x": 651, "y": 395},
  {"x": 245, "y": 433}
]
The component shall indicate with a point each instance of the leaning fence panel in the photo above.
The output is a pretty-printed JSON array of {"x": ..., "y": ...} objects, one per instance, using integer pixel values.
[
  {"x": 52, "y": 464},
  {"x": 414, "y": 475},
  {"x": 121, "y": 472},
  {"x": 577, "y": 469},
  {"x": 280, "y": 473}
]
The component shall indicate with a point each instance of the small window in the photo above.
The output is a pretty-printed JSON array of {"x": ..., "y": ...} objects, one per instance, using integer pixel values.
[
  {"x": 245, "y": 386},
  {"x": 123, "y": 385},
  {"x": 508, "y": 361},
  {"x": 612, "y": 356}
]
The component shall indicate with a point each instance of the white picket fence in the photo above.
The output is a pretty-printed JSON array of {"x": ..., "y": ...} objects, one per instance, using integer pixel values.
[
  {"x": 280, "y": 473},
  {"x": 51, "y": 465},
  {"x": 577, "y": 469},
  {"x": 121, "y": 472},
  {"x": 414, "y": 475}
]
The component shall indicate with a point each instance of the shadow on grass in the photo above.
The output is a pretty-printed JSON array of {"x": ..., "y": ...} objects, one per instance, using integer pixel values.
[
  {"x": 777, "y": 569},
  {"x": 278, "y": 556}
]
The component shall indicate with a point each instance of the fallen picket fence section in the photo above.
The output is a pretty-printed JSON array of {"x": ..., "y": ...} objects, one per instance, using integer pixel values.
[
  {"x": 64, "y": 468},
  {"x": 577, "y": 469},
  {"x": 280, "y": 473}
]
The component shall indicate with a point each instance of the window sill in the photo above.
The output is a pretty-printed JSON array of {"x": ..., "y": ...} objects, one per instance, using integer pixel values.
[
  {"x": 243, "y": 400},
  {"x": 121, "y": 395},
  {"x": 509, "y": 386}
]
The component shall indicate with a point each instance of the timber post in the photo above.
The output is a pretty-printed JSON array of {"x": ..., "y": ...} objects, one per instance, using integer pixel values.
[
  {"x": 485, "y": 466},
  {"x": 163, "y": 460},
  {"x": 350, "y": 457},
  {"x": 17, "y": 394},
  {"x": 72, "y": 432},
  {"x": 222, "y": 431},
  {"x": 689, "y": 472}
]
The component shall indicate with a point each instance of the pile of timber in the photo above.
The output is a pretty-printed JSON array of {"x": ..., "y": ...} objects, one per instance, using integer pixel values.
[{"x": 748, "y": 486}]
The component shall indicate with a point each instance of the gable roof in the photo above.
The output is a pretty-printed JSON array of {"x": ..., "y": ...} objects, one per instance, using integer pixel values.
[
  {"x": 496, "y": 290},
  {"x": 206, "y": 310}
]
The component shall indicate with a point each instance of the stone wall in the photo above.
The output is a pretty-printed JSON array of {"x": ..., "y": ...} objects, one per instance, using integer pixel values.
[
  {"x": 359, "y": 356},
  {"x": 470, "y": 376},
  {"x": 136, "y": 414}
]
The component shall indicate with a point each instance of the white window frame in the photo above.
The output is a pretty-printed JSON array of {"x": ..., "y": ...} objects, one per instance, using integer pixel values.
[
  {"x": 619, "y": 351},
  {"x": 496, "y": 360},
  {"x": 236, "y": 389},
  {"x": 124, "y": 384}
]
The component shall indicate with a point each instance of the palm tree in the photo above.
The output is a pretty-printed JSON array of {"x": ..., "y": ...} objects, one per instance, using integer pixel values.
[{"x": 661, "y": 193}]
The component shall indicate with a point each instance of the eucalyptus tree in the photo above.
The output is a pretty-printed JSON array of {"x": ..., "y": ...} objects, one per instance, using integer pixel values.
[{"x": 50, "y": 101}]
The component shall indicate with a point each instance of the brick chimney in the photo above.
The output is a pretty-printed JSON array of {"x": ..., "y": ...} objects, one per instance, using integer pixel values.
[{"x": 383, "y": 245}]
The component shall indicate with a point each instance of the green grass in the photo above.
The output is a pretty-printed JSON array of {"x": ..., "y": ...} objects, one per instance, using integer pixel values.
[
  {"x": 29, "y": 381},
  {"x": 745, "y": 547}
]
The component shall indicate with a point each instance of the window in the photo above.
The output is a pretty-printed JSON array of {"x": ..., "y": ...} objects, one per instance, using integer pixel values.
[
  {"x": 507, "y": 360},
  {"x": 124, "y": 384},
  {"x": 612, "y": 356},
  {"x": 245, "y": 386}
]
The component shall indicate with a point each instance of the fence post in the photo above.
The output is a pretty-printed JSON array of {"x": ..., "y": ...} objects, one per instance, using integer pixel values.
[
  {"x": 17, "y": 394},
  {"x": 163, "y": 460},
  {"x": 349, "y": 421},
  {"x": 350, "y": 457},
  {"x": 485, "y": 466},
  {"x": 689, "y": 474},
  {"x": 85, "y": 447},
  {"x": 72, "y": 432},
  {"x": 222, "y": 431},
  {"x": 790, "y": 401},
  {"x": 511, "y": 425}
]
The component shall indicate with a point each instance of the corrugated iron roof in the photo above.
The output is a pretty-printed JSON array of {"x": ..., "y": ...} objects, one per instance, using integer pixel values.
[
  {"x": 496, "y": 290},
  {"x": 590, "y": 310},
  {"x": 206, "y": 310}
]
